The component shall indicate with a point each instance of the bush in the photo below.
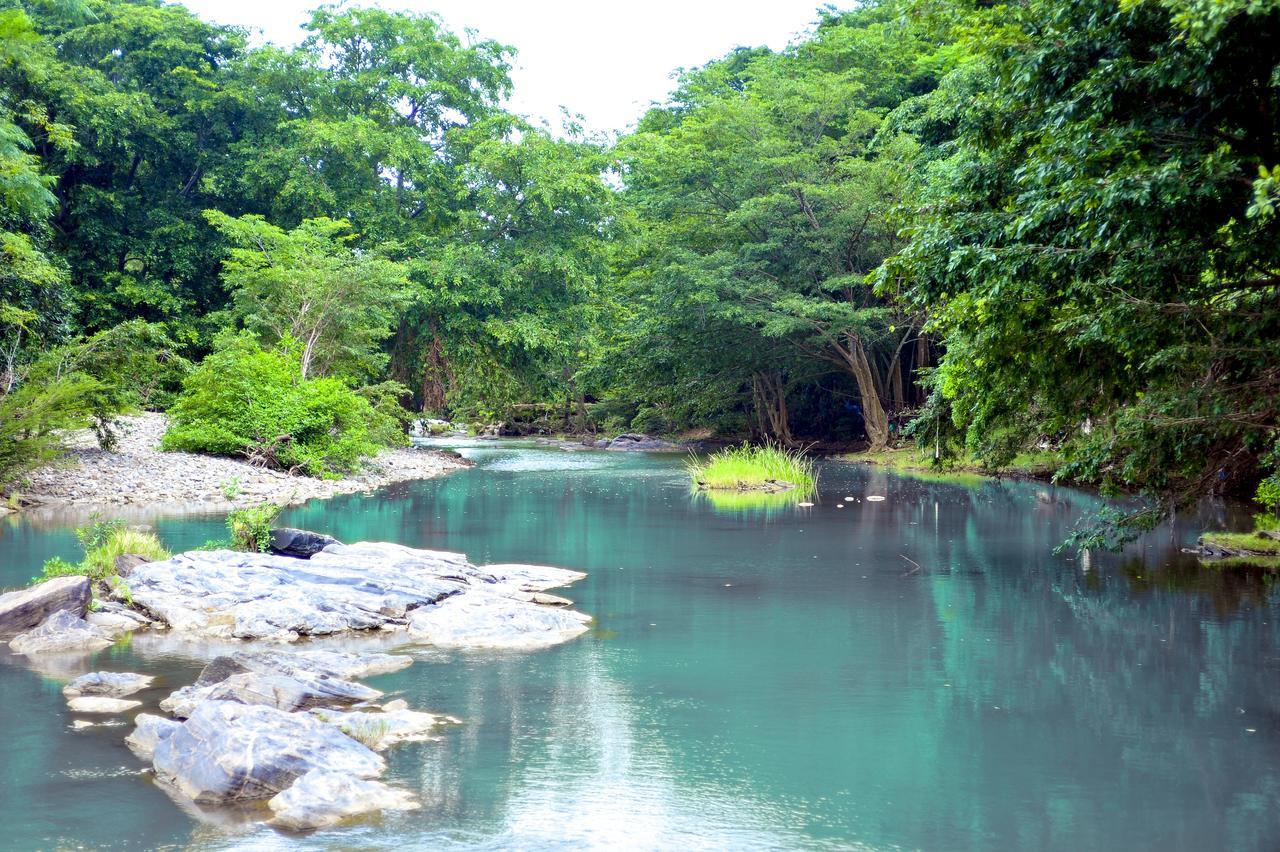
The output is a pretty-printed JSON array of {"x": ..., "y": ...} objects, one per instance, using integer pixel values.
[
  {"x": 103, "y": 541},
  {"x": 249, "y": 402},
  {"x": 250, "y": 528}
]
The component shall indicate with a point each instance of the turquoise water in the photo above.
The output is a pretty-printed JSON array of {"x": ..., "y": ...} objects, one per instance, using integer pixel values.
[{"x": 922, "y": 672}]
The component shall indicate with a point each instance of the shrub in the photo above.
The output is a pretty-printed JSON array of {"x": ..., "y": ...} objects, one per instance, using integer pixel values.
[
  {"x": 251, "y": 528},
  {"x": 249, "y": 402},
  {"x": 103, "y": 541}
]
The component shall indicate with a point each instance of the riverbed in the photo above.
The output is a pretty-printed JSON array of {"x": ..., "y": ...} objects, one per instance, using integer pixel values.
[{"x": 918, "y": 672}]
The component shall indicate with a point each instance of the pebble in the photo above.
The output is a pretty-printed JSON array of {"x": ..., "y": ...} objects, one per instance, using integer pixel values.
[{"x": 138, "y": 472}]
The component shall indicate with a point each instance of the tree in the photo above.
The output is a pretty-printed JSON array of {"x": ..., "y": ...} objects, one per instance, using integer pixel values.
[
  {"x": 1100, "y": 248},
  {"x": 308, "y": 285}
]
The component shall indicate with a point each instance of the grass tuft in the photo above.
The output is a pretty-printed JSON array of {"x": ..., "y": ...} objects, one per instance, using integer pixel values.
[{"x": 746, "y": 468}]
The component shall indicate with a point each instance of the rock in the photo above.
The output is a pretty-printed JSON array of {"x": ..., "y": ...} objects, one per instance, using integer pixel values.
[
  {"x": 545, "y": 599},
  {"x": 107, "y": 684},
  {"x": 112, "y": 624},
  {"x": 95, "y": 704},
  {"x": 287, "y": 681},
  {"x": 22, "y": 610},
  {"x": 342, "y": 588},
  {"x": 301, "y": 544},
  {"x": 321, "y": 798},
  {"x": 640, "y": 442},
  {"x": 284, "y": 692},
  {"x": 126, "y": 562},
  {"x": 480, "y": 620},
  {"x": 228, "y": 752},
  {"x": 60, "y": 633},
  {"x": 149, "y": 733},
  {"x": 381, "y": 730}
]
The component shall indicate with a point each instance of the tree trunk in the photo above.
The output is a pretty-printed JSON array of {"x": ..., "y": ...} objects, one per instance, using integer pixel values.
[
  {"x": 436, "y": 375},
  {"x": 769, "y": 393},
  {"x": 873, "y": 415}
]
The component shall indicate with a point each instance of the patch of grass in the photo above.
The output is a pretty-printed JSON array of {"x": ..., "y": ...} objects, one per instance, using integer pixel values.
[
  {"x": 747, "y": 468},
  {"x": 1250, "y": 541},
  {"x": 103, "y": 542},
  {"x": 1039, "y": 465}
]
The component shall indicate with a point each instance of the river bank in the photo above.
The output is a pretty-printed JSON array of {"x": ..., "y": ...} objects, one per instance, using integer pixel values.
[{"x": 137, "y": 472}]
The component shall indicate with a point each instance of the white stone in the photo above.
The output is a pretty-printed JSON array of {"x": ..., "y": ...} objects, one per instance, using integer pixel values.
[
  {"x": 95, "y": 704},
  {"x": 322, "y": 798}
]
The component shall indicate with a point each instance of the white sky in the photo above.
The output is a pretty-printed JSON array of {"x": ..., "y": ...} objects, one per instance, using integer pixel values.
[{"x": 605, "y": 59}]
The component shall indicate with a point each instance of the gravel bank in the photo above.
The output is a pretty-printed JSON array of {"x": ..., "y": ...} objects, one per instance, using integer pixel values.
[{"x": 138, "y": 473}]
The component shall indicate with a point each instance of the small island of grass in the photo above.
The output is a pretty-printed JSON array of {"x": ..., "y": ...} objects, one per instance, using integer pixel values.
[{"x": 769, "y": 468}]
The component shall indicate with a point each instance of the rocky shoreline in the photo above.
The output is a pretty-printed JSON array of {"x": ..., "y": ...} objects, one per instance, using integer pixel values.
[
  {"x": 276, "y": 721},
  {"x": 138, "y": 473}
]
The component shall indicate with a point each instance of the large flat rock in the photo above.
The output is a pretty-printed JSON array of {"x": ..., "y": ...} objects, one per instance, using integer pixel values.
[
  {"x": 230, "y": 752},
  {"x": 355, "y": 587},
  {"x": 22, "y": 610},
  {"x": 64, "y": 632}
]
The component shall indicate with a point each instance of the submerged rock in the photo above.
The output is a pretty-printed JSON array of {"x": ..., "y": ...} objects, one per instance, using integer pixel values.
[
  {"x": 322, "y": 798},
  {"x": 98, "y": 704},
  {"x": 61, "y": 632},
  {"x": 301, "y": 544},
  {"x": 228, "y": 752},
  {"x": 149, "y": 733},
  {"x": 342, "y": 588},
  {"x": 640, "y": 442},
  {"x": 107, "y": 684},
  {"x": 22, "y": 610}
]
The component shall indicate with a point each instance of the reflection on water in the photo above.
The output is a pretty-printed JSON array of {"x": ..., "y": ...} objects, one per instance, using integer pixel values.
[{"x": 922, "y": 672}]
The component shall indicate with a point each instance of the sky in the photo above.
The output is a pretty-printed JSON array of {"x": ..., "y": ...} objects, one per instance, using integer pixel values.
[{"x": 605, "y": 59}]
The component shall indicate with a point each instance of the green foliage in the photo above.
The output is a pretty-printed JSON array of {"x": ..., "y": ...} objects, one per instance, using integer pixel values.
[
  {"x": 250, "y": 528},
  {"x": 248, "y": 402},
  {"x": 748, "y": 467},
  {"x": 103, "y": 541},
  {"x": 230, "y": 488}
]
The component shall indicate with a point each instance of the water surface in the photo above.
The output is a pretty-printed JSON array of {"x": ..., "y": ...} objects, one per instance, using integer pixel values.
[{"x": 922, "y": 672}]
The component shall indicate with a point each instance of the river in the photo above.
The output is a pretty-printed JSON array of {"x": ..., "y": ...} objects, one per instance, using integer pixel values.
[{"x": 919, "y": 672}]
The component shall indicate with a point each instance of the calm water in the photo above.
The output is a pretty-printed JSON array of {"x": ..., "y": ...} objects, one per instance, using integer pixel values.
[{"x": 921, "y": 672}]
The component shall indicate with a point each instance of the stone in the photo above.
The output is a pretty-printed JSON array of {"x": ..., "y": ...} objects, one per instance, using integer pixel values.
[
  {"x": 302, "y": 544},
  {"x": 284, "y": 692},
  {"x": 112, "y": 624},
  {"x": 479, "y": 620},
  {"x": 96, "y": 704},
  {"x": 126, "y": 562},
  {"x": 107, "y": 684},
  {"x": 381, "y": 730},
  {"x": 228, "y": 752},
  {"x": 22, "y": 610},
  {"x": 322, "y": 798},
  {"x": 149, "y": 732},
  {"x": 61, "y": 632},
  {"x": 357, "y": 587},
  {"x": 633, "y": 441},
  {"x": 286, "y": 680}
]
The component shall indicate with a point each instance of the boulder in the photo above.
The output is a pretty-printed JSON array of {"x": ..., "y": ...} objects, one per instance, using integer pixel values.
[
  {"x": 113, "y": 624},
  {"x": 149, "y": 732},
  {"x": 301, "y": 544},
  {"x": 380, "y": 730},
  {"x": 364, "y": 586},
  {"x": 480, "y": 620},
  {"x": 284, "y": 692},
  {"x": 97, "y": 704},
  {"x": 126, "y": 562},
  {"x": 633, "y": 441},
  {"x": 285, "y": 680},
  {"x": 228, "y": 752},
  {"x": 322, "y": 798},
  {"x": 107, "y": 684},
  {"x": 61, "y": 632},
  {"x": 22, "y": 610}
]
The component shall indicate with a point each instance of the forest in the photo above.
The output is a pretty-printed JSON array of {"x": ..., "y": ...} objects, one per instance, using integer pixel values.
[{"x": 983, "y": 228}]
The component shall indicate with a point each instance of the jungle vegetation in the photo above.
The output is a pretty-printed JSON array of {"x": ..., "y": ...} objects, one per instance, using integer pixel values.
[{"x": 1040, "y": 225}]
